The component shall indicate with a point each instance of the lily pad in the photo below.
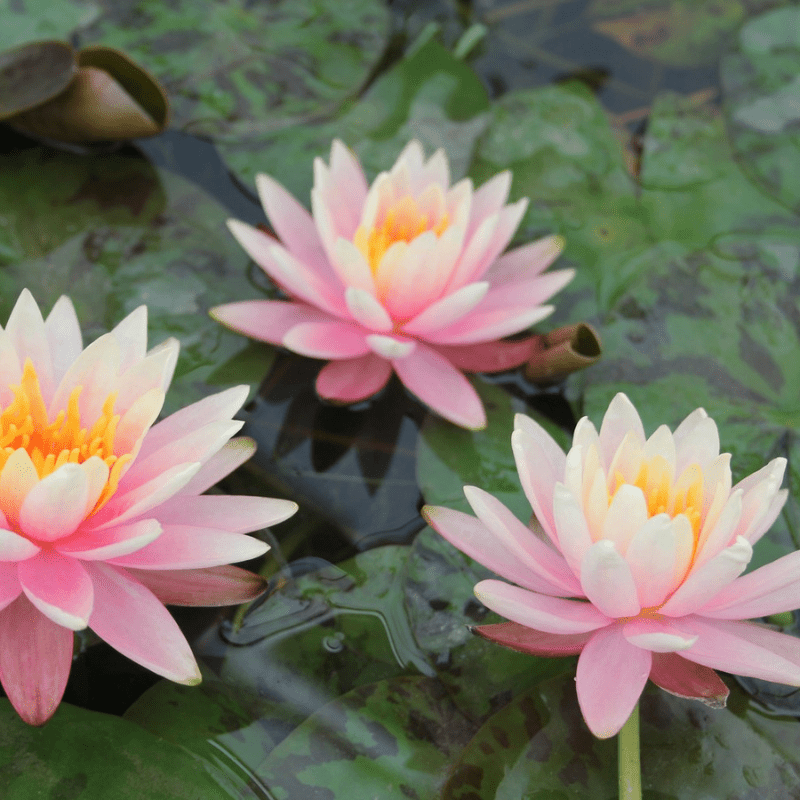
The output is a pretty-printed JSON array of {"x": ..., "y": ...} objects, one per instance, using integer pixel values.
[
  {"x": 27, "y": 21},
  {"x": 114, "y": 233},
  {"x": 761, "y": 83},
  {"x": 83, "y": 755}
]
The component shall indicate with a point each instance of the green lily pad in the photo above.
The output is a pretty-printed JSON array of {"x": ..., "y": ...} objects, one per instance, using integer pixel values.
[
  {"x": 431, "y": 95},
  {"x": 538, "y": 746},
  {"x": 113, "y": 233},
  {"x": 83, "y": 755},
  {"x": 30, "y": 20},
  {"x": 761, "y": 83}
]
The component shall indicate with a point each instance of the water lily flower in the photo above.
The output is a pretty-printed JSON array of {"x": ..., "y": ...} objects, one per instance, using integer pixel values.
[
  {"x": 405, "y": 275},
  {"x": 634, "y": 561},
  {"x": 102, "y": 516}
]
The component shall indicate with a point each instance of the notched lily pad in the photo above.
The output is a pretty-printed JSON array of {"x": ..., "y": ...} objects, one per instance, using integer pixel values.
[{"x": 33, "y": 74}]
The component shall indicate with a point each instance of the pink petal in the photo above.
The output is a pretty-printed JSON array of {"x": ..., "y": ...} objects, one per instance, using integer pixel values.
[
  {"x": 215, "y": 407},
  {"x": 125, "y": 506},
  {"x": 717, "y": 534},
  {"x": 572, "y": 531},
  {"x": 686, "y": 679},
  {"x": 758, "y": 505},
  {"x": 620, "y": 419},
  {"x": 767, "y": 520},
  {"x": 471, "y": 262},
  {"x": 59, "y": 587},
  {"x": 446, "y": 311},
  {"x": 526, "y": 640},
  {"x": 232, "y": 455},
  {"x": 353, "y": 380},
  {"x": 656, "y": 635},
  {"x": 136, "y": 422},
  {"x": 17, "y": 478},
  {"x": 63, "y": 335},
  {"x": 35, "y": 660},
  {"x": 153, "y": 371},
  {"x": 531, "y": 551},
  {"x": 296, "y": 278},
  {"x": 435, "y": 381},
  {"x": 540, "y": 463},
  {"x": 56, "y": 505},
  {"x": 292, "y": 223},
  {"x": 266, "y": 320},
  {"x": 351, "y": 185},
  {"x": 367, "y": 310},
  {"x": 525, "y": 262},
  {"x": 10, "y": 368},
  {"x": 10, "y": 588},
  {"x": 234, "y": 513},
  {"x": 489, "y": 198},
  {"x": 696, "y": 441},
  {"x": 131, "y": 337},
  {"x": 481, "y": 325},
  {"x": 530, "y": 292},
  {"x": 188, "y": 547},
  {"x": 539, "y": 611},
  {"x": 435, "y": 171},
  {"x": 351, "y": 266},
  {"x": 212, "y": 586},
  {"x": 508, "y": 222},
  {"x": 610, "y": 678},
  {"x": 489, "y": 356},
  {"x": 111, "y": 542},
  {"x": 327, "y": 340},
  {"x": 607, "y": 581},
  {"x": 473, "y": 538},
  {"x": 627, "y": 515},
  {"x": 401, "y": 272},
  {"x": 26, "y": 330},
  {"x": 705, "y": 582},
  {"x": 770, "y": 589},
  {"x": 133, "y": 621},
  {"x": 743, "y": 648}
]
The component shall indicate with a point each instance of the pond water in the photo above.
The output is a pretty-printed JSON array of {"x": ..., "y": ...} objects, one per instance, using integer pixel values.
[{"x": 659, "y": 138}]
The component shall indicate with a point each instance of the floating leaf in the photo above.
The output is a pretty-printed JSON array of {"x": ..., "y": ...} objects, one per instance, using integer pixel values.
[{"x": 33, "y": 73}]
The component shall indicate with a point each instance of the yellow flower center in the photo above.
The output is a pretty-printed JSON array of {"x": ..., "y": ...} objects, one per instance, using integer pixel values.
[
  {"x": 402, "y": 222},
  {"x": 684, "y": 496},
  {"x": 24, "y": 424}
]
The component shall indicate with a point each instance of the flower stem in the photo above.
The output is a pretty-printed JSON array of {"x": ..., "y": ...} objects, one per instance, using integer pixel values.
[{"x": 630, "y": 771}]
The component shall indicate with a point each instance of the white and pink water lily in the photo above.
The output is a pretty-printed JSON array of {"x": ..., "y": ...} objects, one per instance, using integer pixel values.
[
  {"x": 102, "y": 516},
  {"x": 634, "y": 559},
  {"x": 403, "y": 276}
]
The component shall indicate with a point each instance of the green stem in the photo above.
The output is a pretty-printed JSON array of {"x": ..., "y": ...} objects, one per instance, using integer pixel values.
[{"x": 630, "y": 771}]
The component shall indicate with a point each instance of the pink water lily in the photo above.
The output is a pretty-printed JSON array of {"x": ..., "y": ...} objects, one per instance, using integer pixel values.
[
  {"x": 633, "y": 559},
  {"x": 405, "y": 275},
  {"x": 102, "y": 517}
]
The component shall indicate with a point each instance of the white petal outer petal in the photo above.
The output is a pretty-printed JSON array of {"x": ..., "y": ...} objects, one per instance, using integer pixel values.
[
  {"x": 56, "y": 505},
  {"x": 696, "y": 441},
  {"x": 716, "y": 535},
  {"x": 540, "y": 464},
  {"x": 14, "y": 547},
  {"x": 17, "y": 478},
  {"x": 759, "y": 503},
  {"x": 473, "y": 538},
  {"x": 447, "y": 310},
  {"x": 770, "y": 589},
  {"x": 351, "y": 266},
  {"x": 367, "y": 310},
  {"x": 26, "y": 330},
  {"x": 64, "y": 336},
  {"x": 620, "y": 418},
  {"x": 131, "y": 336},
  {"x": 539, "y": 611},
  {"x": 656, "y": 635},
  {"x": 526, "y": 261},
  {"x": 742, "y": 648},
  {"x": 531, "y": 550},
  {"x": 133, "y": 621},
  {"x": 574, "y": 539},
  {"x": 390, "y": 347},
  {"x": 609, "y": 680},
  {"x": 607, "y": 581},
  {"x": 627, "y": 513},
  {"x": 653, "y": 559},
  {"x": 703, "y": 583}
]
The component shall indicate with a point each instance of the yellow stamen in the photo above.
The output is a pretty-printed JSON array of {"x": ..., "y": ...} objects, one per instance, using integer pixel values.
[
  {"x": 402, "y": 222},
  {"x": 24, "y": 425},
  {"x": 663, "y": 496}
]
